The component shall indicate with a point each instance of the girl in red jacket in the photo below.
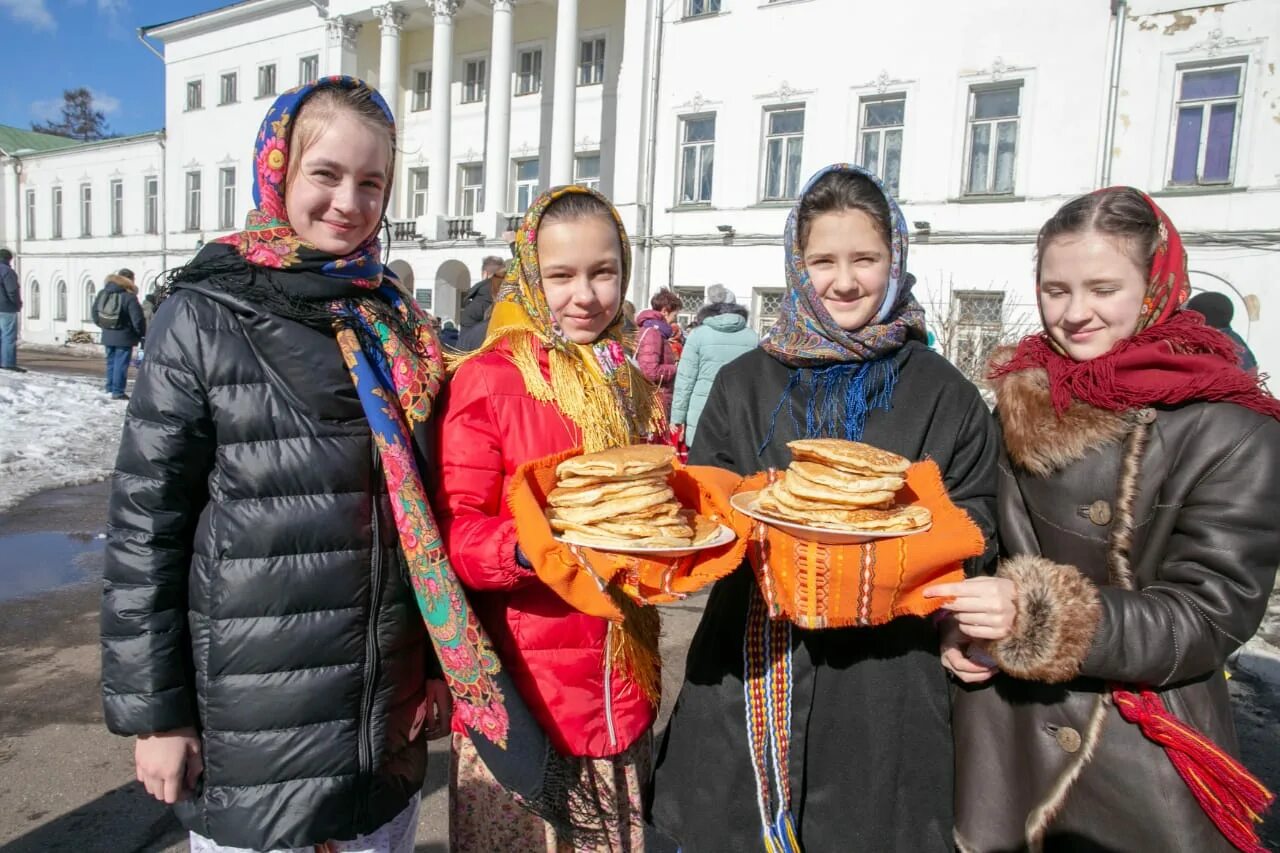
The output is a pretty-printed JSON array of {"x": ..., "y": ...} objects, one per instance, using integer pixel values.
[{"x": 551, "y": 375}]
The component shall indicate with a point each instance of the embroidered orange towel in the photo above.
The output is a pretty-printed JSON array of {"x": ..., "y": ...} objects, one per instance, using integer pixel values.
[
  {"x": 836, "y": 586},
  {"x": 581, "y": 575}
]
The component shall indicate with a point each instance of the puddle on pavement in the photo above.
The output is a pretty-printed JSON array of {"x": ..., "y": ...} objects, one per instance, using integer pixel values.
[{"x": 32, "y": 563}]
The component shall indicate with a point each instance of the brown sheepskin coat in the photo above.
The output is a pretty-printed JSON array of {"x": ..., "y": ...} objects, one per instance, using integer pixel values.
[{"x": 1144, "y": 546}]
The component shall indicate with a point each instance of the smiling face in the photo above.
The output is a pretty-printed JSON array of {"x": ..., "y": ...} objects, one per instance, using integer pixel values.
[
  {"x": 335, "y": 195},
  {"x": 581, "y": 264},
  {"x": 848, "y": 262},
  {"x": 1090, "y": 292}
]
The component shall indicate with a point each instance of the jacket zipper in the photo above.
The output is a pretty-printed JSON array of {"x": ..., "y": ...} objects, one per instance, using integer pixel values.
[
  {"x": 370, "y": 649},
  {"x": 608, "y": 689}
]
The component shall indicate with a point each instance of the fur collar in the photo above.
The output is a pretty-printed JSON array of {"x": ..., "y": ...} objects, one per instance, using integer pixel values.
[
  {"x": 1037, "y": 439},
  {"x": 122, "y": 283}
]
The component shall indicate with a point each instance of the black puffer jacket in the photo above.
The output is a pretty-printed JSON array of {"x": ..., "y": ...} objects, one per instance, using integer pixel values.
[{"x": 253, "y": 585}]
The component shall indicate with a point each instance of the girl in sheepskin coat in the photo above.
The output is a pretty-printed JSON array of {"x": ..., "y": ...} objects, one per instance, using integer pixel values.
[{"x": 1139, "y": 546}]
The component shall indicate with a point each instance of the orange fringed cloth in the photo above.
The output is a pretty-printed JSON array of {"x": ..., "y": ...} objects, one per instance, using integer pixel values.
[
  {"x": 582, "y": 576},
  {"x": 836, "y": 586}
]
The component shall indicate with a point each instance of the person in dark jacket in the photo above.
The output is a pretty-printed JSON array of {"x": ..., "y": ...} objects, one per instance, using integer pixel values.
[
  {"x": 272, "y": 557},
  {"x": 1218, "y": 313},
  {"x": 121, "y": 336},
  {"x": 478, "y": 302},
  {"x": 449, "y": 334},
  {"x": 1138, "y": 551},
  {"x": 10, "y": 311},
  {"x": 869, "y": 737}
]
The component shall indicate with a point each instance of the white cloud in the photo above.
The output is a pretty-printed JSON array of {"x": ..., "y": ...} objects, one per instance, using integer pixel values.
[
  {"x": 32, "y": 12},
  {"x": 107, "y": 103},
  {"x": 47, "y": 110}
]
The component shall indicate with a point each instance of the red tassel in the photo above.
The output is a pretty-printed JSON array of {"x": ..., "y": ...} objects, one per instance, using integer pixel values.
[{"x": 1232, "y": 797}]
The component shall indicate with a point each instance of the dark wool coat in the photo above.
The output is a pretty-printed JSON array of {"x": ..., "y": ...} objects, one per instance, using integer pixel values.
[
  {"x": 134, "y": 326},
  {"x": 871, "y": 755},
  {"x": 1144, "y": 547},
  {"x": 254, "y": 587}
]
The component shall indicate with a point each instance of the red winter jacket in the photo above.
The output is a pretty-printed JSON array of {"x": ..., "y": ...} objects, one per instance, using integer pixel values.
[
  {"x": 655, "y": 356},
  {"x": 555, "y": 654}
]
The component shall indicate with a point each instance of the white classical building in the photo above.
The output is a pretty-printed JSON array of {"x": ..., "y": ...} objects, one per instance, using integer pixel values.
[{"x": 702, "y": 118}]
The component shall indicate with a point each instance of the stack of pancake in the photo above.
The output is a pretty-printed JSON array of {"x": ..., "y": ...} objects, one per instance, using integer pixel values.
[
  {"x": 620, "y": 498},
  {"x": 842, "y": 485}
]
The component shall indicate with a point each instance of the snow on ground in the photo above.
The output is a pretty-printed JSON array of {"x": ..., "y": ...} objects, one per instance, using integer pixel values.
[{"x": 54, "y": 431}]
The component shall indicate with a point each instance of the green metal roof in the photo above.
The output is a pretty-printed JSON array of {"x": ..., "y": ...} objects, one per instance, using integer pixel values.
[{"x": 15, "y": 139}]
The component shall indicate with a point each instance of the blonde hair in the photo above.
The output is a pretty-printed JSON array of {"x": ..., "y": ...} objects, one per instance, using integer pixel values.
[{"x": 319, "y": 111}]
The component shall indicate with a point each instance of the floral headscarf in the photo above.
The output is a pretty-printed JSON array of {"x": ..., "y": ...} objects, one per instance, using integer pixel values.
[
  {"x": 595, "y": 384},
  {"x": 805, "y": 335}
]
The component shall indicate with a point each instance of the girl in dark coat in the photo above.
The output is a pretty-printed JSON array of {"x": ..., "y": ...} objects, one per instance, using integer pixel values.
[
  {"x": 1139, "y": 546},
  {"x": 269, "y": 525},
  {"x": 869, "y": 740}
]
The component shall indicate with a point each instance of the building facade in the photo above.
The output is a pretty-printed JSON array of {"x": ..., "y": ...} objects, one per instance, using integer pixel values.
[{"x": 702, "y": 118}]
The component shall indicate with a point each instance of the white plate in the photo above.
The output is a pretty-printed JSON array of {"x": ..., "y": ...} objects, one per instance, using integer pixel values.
[
  {"x": 723, "y": 537},
  {"x": 745, "y": 503}
]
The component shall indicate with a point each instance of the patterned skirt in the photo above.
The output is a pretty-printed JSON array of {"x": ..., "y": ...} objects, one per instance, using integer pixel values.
[{"x": 485, "y": 817}]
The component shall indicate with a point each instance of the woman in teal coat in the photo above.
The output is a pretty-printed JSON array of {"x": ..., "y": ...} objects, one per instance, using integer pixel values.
[{"x": 721, "y": 336}]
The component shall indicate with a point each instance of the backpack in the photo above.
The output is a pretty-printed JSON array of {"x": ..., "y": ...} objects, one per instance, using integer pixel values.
[{"x": 109, "y": 310}]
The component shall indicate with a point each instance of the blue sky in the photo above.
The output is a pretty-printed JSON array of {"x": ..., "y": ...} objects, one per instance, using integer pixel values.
[{"x": 47, "y": 46}]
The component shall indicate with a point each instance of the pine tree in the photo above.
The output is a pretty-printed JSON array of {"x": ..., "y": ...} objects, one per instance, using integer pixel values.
[{"x": 80, "y": 120}]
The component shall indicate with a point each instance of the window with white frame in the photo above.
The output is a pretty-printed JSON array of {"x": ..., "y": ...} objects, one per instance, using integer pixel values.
[
  {"x": 421, "y": 99},
  {"x": 977, "y": 320},
  {"x": 86, "y": 210},
  {"x": 591, "y": 61},
  {"x": 193, "y": 201},
  {"x": 56, "y": 211},
  {"x": 525, "y": 189},
  {"x": 1206, "y": 125},
  {"x": 880, "y": 142},
  {"x": 115, "y": 197},
  {"x": 227, "y": 197},
  {"x": 993, "y": 139},
  {"x": 151, "y": 204},
  {"x": 783, "y": 152},
  {"x": 766, "y": 304},
  {"x": 586, "y": 170},
  {"x": 60, "y": 301},
  {"x": 697, "y": 157},
  {"x": 529, "y": 71},
  {"x": 308, "y": 69},
  {"x": 31, "y": 214},
  {"x": 32, "y": 300},
  {"x": 227, "y": 88},
  {"x": 470, "y": 188},
  {"x": 266, "y": 80},
  {"x": 691, "y": 301},
  {"x": 195, "y": 94},
  {"x": 695, "y": 8},
  {"x": 418, "y": 192},
  {"x": 90, "y": 291},
  {"x": 473, "y": 72}
]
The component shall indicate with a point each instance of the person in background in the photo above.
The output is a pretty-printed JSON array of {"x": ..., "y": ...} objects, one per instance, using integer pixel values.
[
  {"x": 117, "y": 311},
  {"x": 654, "y": 353},
  {"x": 1218, "y": 313},
  {"x": 10, "y": 310},
  {"x": 449, "y": 334},
  {"x": 628, "y": 316},
  {"x": 677, "y": 340},
  {"x": 721, "y": 336},
  {"x": 478, "y": 302}
]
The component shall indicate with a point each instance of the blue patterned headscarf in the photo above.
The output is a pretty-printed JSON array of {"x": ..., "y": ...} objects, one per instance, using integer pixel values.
[{"x": 805, "y": 334}]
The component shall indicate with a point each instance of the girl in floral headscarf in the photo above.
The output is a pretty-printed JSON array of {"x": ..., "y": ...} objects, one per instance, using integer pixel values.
[
  {"x": 272, "y": 559},
  {"x": 863, "y": 714},
  {"x": 551, "y": 375},
  {"x": 1138, "y": 545}
]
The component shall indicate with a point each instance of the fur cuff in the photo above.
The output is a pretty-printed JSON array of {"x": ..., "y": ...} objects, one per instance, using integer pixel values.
[{"x": 1058, "y": 615}]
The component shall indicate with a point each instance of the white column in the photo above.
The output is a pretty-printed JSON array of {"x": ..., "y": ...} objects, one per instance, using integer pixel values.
[
  {"x": 438, "y": 179},
  {"x": 341, "y": 54},
  {"x": 390, "y": 21},
  {"x": 565, "y": 92},
  {"x": 498, "y": 143}
]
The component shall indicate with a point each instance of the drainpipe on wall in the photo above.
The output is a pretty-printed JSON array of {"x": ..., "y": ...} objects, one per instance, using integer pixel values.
[
  {"x": 163, "y": 202},
  {"x": 142, "y": 37},
  {"x": 647, "y": 173},
  {"x": 19, "y": 211},
  {"x": 1119, "y": 9}
]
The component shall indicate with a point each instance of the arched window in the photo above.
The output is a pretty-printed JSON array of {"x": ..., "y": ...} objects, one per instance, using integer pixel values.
[
  {"x": 86, "y": 313},
  {"x": 33, "y": 300},
  {"x": 60, "y": 303}
]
